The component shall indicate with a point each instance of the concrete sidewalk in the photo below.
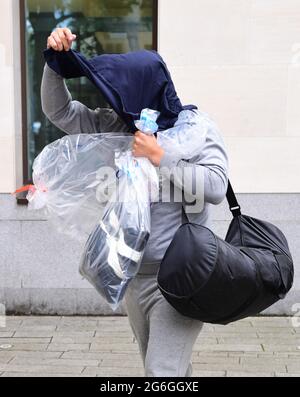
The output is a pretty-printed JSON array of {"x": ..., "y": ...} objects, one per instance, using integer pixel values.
[{"x": 104, "y": 346}]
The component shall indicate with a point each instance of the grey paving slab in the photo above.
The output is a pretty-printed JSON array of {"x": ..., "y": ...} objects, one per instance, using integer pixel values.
[
  {"x": 112, "y": 363},
  {"x": 41, "y": 368},
  {"x": 133, "y": 356},
  {"x": 39, "y": 355},
  {"x": 32, "y": 334},
  {"x": 231, "y": 347},
  {"x": 41, "y": 375},
  {"x": 280, "y": 367},
  {"x": 215, "y": 359},
  {"x": 113, "y": 371},
  {"x": 284, "y": 374},
  {"x": 6, "y": 334},
  {"x": 234, "y": 374},
  {"x": 35, "y": 328},
  {"x": 104, "y": 347},
  {"x": 68, "y": 346},
  {"x": 293, "y": 367},
  {"x": 209, "y": 374},
  {"x": 114, "y": 347},
  {"x": 210, "y": 354},
  {"x": 74, "y": 334},
  {"x": 55, "y": 361},
  {"x": 281, "y": 347},
  {"x": 40, "y": 321},
  {"x": 28, "y": 347},
  {"x": 274, "y": 339},
  {"x": 5, "y": 360},
  {"x": 16, "y": 341},
  {"x": 92, "y": 339}
]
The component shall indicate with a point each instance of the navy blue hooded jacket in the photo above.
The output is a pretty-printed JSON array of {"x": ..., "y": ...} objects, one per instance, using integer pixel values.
[{"x": 129, "y": 82}]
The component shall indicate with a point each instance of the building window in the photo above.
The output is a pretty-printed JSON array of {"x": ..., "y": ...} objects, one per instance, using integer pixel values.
[{"x": 101, "y": 26}]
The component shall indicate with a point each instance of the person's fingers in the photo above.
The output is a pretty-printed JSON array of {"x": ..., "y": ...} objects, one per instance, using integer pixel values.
[
  {"x": 135, "y": 149},
  {"x": 144, "y": 138},
  {"x": 70, "y": 36},
  {"x": 57, "y": 40},
  {"x": 74, "y": 37},
  {"x": 60, "y": 39},
  {"x": 52, "y": 43},
  {"x": 63, "y": 37}
]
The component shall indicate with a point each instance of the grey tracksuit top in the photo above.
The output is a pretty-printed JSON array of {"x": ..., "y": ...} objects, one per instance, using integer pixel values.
[{"x": 209, "y": 170}]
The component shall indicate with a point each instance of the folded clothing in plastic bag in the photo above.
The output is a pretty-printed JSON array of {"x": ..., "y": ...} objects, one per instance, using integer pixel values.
[
  {"x": 114, "y": 250},
  {"x": 111, "y": 258}
]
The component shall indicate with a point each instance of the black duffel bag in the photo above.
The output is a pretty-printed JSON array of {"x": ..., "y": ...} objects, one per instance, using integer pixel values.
[{"x": 216, "y": 281}]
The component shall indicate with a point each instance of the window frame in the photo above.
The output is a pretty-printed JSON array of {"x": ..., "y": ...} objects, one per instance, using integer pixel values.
[{"x": 21, "y": 198}]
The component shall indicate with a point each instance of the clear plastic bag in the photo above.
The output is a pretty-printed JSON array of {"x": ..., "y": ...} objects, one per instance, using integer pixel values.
[
  {"x": 188, "y": 134},
  {"x": 75, "y": 175},
  {"x": 74, "y": 178},
  {"x": 92, "y": 188},
  {"x": 114, "y": 250}
]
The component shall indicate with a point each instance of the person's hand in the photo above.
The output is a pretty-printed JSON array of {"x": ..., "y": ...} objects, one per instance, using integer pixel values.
[
  {"x": 61, "y": 39},
  {"x": 147, "y": 146}
]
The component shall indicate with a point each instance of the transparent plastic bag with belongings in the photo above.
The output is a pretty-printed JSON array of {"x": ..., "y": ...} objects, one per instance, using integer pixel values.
[
  {"x": 73, "y": 179},
  {"x": 114, "y": 250},
  {"x": 92, "y": 187}
]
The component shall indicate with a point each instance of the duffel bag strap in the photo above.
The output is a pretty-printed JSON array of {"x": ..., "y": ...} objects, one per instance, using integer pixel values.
[
  {"x": 232, "y": 201},
  {"x": 234, "y": 206},
  {"x": 184, "y": 217}
]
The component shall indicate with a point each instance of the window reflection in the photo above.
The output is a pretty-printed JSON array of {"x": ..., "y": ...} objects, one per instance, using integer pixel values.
[{"x": 101, "y": 26}]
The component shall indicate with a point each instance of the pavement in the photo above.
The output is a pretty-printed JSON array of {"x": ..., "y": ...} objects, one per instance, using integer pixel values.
[{"x": 104, "y": 347}]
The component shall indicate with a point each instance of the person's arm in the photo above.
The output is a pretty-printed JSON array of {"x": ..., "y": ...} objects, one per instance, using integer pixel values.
[
  {"x": 200, "y": 181},
  {"x": 67, "y": 114},
  {"x": 205, "y": 176}
]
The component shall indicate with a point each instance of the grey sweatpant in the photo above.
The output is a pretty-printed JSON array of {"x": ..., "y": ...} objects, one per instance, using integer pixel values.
[{"x": 165, "y": 337}]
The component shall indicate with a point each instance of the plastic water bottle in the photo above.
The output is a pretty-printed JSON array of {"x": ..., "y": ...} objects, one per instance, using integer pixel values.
[{"x": 147, "y": 123}]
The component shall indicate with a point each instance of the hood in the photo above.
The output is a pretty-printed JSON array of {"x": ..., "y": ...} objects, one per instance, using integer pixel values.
[{"x": 129, "y": 82}]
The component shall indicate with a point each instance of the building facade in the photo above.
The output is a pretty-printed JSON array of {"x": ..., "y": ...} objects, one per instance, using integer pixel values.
[{"x": 238, "y": 60}]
